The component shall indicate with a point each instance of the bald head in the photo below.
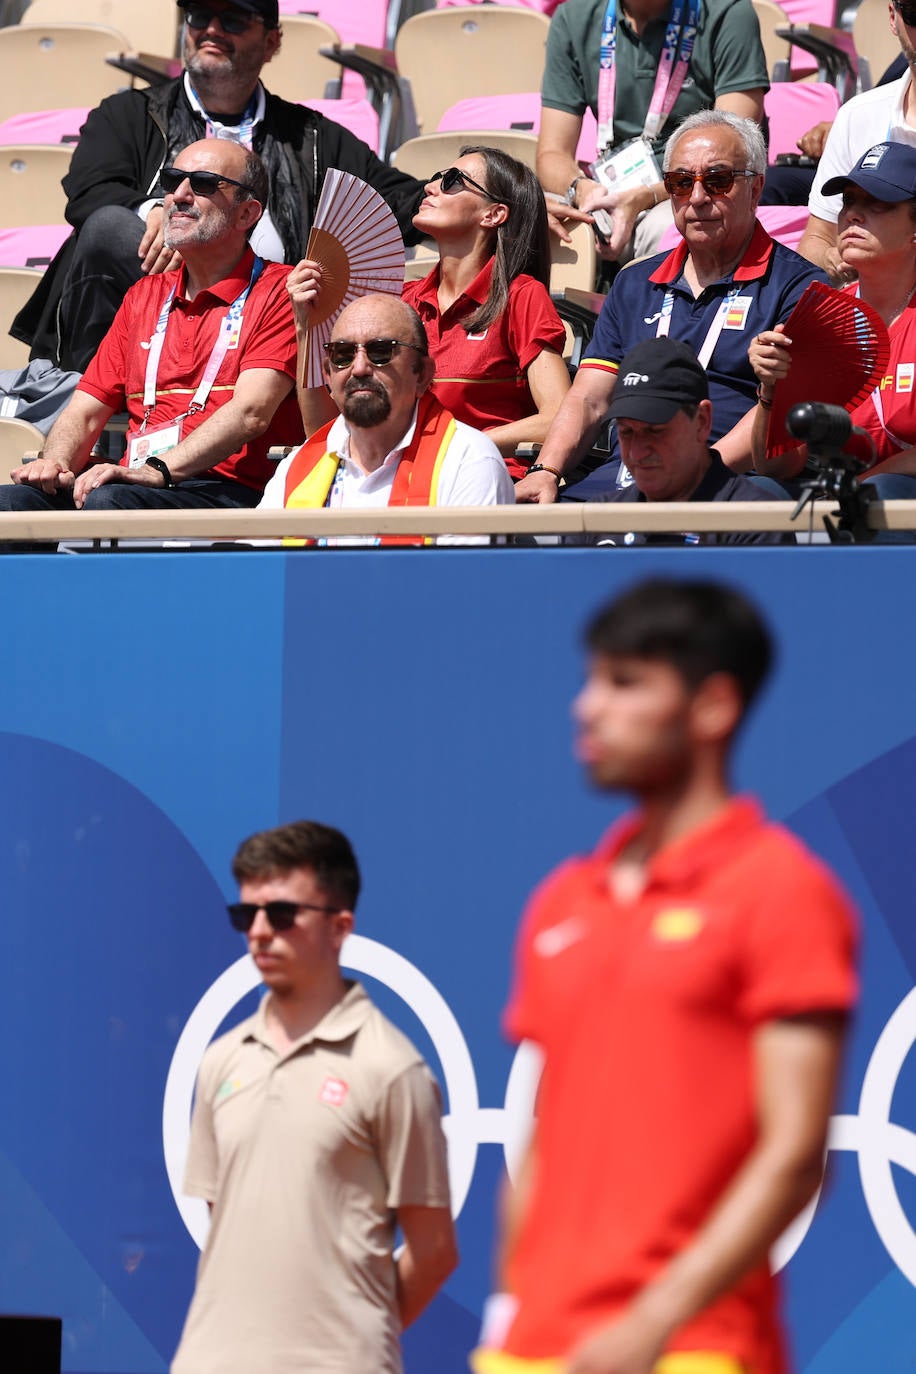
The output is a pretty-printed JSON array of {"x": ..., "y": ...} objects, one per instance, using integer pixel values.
[
  {"x": 386, "y": 316},
  {"x": 210, "y": 212}
]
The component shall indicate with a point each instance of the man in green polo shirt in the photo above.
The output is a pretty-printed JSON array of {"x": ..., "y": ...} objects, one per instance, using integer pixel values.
[
  {"x": 316, "y": 1133},
  {"x": 662, "y": 60}
]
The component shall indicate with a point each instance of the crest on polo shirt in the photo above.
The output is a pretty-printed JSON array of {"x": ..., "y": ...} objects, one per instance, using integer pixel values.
[
  {"x": 676, "y": 925},
  {"x": 333, "y": 1091},
  {"x": 905, "y": 372}
]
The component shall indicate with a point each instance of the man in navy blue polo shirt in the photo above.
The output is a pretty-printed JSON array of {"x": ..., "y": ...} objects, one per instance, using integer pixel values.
[{"x": 725, "y": 282}]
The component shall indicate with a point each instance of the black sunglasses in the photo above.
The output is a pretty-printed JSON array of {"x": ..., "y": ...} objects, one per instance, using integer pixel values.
[
  {"x": 342, "y": 352},
  {"x": 907, "y": 14},
  {"x": 453, "y": 179},
  {"x": 717, "y": 182},
  {"x": 202, "y": 183},
  {"x": 281, "y": 915},
  {"x": 231, "y": 21}
]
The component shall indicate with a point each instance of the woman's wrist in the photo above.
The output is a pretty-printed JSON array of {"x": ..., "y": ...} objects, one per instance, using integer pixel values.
[{"x": 764, "y": 396}]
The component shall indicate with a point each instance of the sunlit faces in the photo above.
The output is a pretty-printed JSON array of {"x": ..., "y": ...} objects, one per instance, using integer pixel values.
[
  {"x": 306, "y": 955},
  {"x": 667, "y": 460},
  {"x": 212, "y": 54},
  {"x": 722, "y": 223},
  {"x": 462, "y": 209},
  {"x": 870, "y": 230},
  {"x": 195, "y": 220},
  {"x": 633, "y": 724},
  {"x": 368, "y": 395}
]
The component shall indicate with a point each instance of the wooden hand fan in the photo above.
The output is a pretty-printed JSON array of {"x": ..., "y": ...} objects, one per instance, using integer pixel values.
[
  {"x": 356, "y": 239},
  {"x": 840, "y": 348}
]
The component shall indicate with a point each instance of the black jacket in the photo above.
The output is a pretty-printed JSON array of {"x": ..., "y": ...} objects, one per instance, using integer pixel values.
[{"x": 131, "y": 135}]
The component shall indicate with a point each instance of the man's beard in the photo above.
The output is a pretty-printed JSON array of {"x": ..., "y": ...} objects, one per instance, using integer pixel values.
[
  {"x": 231, "y": 70},
  {"x": 366, "y": 409},
  {"x": 203, "y": 232}
]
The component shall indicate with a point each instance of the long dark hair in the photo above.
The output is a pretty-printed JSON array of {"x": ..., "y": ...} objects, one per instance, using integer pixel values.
[{"x": 522, "y": 241}]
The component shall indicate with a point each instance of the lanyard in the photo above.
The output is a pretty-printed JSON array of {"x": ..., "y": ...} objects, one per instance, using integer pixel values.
[
  {"x": 668, "y": 79},
  {"x": 228, "y": 330},
  {"x": 712, "y": 333},
  {"x": 243, "y": 132}
]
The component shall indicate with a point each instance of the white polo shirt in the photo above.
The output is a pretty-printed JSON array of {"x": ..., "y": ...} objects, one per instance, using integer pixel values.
[{"x": 875, "y": 116}]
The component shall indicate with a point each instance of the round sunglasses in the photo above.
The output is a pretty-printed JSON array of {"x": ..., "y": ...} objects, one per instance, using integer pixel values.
[
  {"x": 342, "y": 352},
  {"x": 202, "y": 183},
  {"x": 281, "y": 915},
  {"x": 716, "y": 182}
]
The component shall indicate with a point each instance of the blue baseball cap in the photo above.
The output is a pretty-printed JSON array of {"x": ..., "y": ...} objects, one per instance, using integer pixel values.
[{"x": 887, "y": 172}]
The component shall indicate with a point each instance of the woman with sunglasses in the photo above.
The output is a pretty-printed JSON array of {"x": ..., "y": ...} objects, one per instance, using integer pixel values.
[
  {"x": 876, "y": 239},
  {"x": 494, "y": 333}
]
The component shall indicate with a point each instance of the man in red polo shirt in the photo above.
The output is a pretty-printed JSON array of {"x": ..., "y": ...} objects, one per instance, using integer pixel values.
[
  {"x": 203, "y": 359},
  {"x": 689, "y": 984}
]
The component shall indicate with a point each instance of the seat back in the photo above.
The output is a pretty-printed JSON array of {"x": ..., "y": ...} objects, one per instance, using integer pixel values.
[
  {"x": 776, "y": 49},
  {"x": 152, "y": 28},
  {"x": 32, "y": 245},
  {"x": 794, "y": 107},
  {"x": 420, "y": 157},
  {"x": 574, "y": 264},
  {"x": 518, "y": 111},
  {"x": 875, "y": 43},
  {"x": 491, "y": 50},
  {"x": 16, "y": 286},
  {"x": 30, "y": 189},
  {"x": 299, "y": 72},
  {"x": 17, "y": 438},
  {"x": 46, "y": 67}
]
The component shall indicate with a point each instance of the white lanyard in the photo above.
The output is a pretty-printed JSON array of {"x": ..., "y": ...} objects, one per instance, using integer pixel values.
[
  {"x": 228, "y": 330},
  {"x": 669, "y": 78},
  {"x": 714, "y": 330},
  {"x": 242, "y": 132}
]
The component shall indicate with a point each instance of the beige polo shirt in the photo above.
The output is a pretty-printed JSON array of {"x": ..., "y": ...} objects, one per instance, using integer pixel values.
[{"x": 306, "y": 1156}]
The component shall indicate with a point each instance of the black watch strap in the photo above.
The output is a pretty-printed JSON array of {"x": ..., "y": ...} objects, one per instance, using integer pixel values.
[{"x": 161, "y": 468}]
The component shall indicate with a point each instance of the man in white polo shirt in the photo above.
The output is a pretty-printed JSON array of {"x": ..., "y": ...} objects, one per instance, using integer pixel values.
[{"x": 316, "y": 1133}]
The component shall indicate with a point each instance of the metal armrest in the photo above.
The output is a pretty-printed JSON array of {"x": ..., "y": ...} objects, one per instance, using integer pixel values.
[
  {"x": 147, "y": 66},
  {"x": 389, "y": 93},
  {"x": 834, "y": 49}
]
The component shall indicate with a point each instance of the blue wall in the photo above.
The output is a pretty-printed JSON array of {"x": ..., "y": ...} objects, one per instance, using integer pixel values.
[{"x": 155, "y": 708}]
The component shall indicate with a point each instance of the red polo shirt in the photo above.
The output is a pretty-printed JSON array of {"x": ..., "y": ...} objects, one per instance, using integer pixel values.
[
  {"x": 117, "y": 373},
  {"x": 481, "y": 378},
  {"x": 646, "y": 1012}
]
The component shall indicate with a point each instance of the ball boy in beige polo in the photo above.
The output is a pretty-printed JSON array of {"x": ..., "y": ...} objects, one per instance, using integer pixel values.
[{"x": 316, "y": 1132}]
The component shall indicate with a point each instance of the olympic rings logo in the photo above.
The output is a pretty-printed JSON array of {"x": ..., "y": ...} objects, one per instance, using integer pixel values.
[{"x": 877, "y": 1141}]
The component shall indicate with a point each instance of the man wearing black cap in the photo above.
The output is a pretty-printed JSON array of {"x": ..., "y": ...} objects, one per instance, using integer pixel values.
[
  {"x": 114, "y": 201},
  {"x": 664, "y": 417}
]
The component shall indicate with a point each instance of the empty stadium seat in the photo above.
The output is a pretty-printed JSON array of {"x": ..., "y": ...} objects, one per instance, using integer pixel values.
[
  {"x": 519, "y": 112},
  {"x": 429, "y": 153},
  {"x": 148, "y": 27},
  {"x": 794, "y": 107},
  {"x": 48, "y": 67},
  {"x": 299, "y": 72},
  {"x": 356, "y": 115},
  {"x": 16, "y": 286},
  {"x": 32, "y": 203},
  {"x": 17, "y": 438},
  {"x": 44, "y": 126}
]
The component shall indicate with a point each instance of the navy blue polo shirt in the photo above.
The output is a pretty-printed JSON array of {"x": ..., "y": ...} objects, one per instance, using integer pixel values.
[{"x": 765, "y": 287}]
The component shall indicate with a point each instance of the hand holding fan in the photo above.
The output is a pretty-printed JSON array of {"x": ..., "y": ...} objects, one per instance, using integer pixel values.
[
  {"x": 840, "y": 348},
  {"x": 356, "y": 239}
]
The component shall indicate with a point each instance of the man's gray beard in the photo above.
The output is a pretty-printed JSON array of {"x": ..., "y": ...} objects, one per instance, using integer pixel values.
[
  {"x": 205, "y": 233},
  {"x": 367, "y": 410},
  {"x": 210, "y": 81}
]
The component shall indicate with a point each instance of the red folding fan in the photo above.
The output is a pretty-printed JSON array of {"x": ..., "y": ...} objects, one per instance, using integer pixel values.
[{"x": 840, "y": 349}]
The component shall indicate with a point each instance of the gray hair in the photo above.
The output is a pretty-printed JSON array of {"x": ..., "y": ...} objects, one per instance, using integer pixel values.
[{"x": 748, "y": 130}]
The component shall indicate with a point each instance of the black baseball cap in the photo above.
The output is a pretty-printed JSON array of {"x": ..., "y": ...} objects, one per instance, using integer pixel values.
[
  {"x": 887, "y": 172},
  {"x": 269, "y": 10},
  {"x": 655, "y": 380}
]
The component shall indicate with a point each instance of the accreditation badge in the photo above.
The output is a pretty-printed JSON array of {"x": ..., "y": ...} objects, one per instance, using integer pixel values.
[
  {"x": 737, "y": 312},
  {"x": 632, "y": 164},
  {"x": 152, "y": 443}
]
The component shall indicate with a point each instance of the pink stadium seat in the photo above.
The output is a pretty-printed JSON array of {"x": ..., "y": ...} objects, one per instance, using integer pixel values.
[
  {"x": 356, "y": 115},
  {"x": 31, "y": 247},
  {"x": 359, "y": 21},
  {"x": 785, "y": 223},
  {"x": 521, "y": 112},
  {"x": 44, "y": 126},
  {"x": 821, "y": 12},
  {"x": 793, "y": 107}
]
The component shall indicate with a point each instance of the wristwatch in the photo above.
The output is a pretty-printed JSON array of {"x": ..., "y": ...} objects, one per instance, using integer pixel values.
[
  {"x": 571, "y": 190},
  {"x": 163, "y": 471}
]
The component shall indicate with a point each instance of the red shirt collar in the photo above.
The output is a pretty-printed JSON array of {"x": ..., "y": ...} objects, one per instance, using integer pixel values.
[
  {"x": 476, "y": 291},
  {"x": 229, "y": 288},
  {"x": 752, "y": 266},
  {"x": 705, "y": 848}
]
